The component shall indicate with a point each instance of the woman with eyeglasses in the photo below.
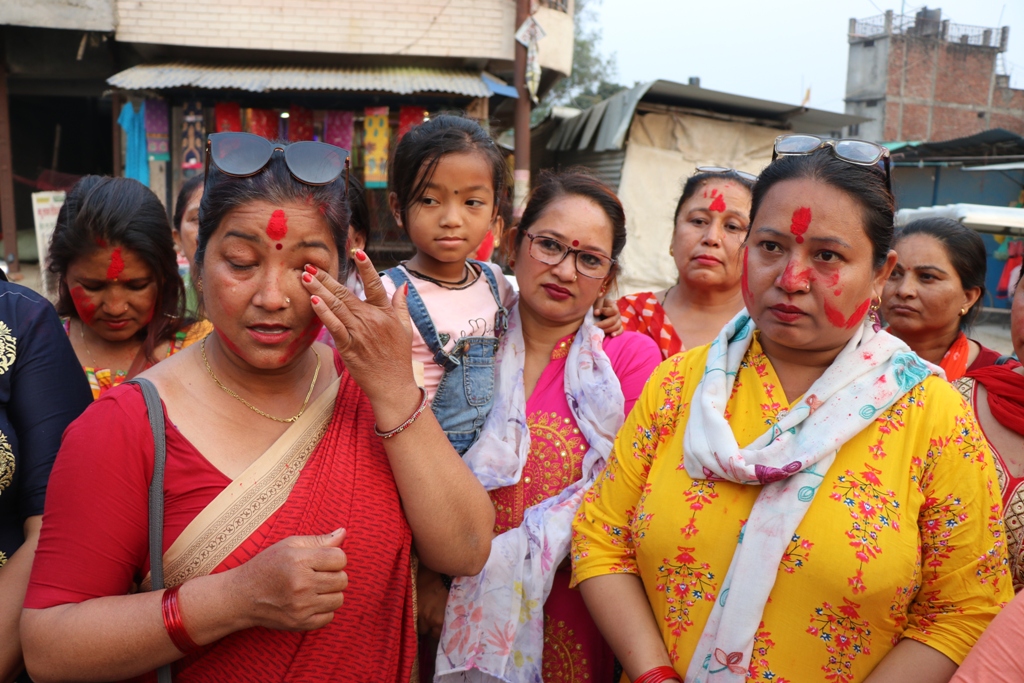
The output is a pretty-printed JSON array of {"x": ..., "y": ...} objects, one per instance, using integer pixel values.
[
  {"x": 296, "y": 476},
  {"x": 562, "y": 390},
  {"x": 711, "y": 221},
  {"x": 119, "y": 290},
  {"x": 802, "y": 499},
  {"x": 936, "y": 292}
]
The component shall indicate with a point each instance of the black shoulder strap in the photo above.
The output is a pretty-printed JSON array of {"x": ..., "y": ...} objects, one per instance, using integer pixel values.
[{"x": 156, "y": 493}]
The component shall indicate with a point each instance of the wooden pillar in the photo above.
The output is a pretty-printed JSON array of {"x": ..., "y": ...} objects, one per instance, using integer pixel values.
[
  {"x": 7, "y": 217},
  {"x": 115, "y": 111}
]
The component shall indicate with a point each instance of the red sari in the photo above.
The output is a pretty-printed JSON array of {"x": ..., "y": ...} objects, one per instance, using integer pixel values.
[{"x": 90, "y": 550}]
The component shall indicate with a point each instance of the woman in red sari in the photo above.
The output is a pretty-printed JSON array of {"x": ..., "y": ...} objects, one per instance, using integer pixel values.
[
  {"x": 711, "y": 222},
  {"x": 288, "y": 522},
  {"x": 936, "y": 292}
]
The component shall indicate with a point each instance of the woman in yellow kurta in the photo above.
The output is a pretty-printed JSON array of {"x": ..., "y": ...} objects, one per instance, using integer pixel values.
[{"x": 885, "y": 563}]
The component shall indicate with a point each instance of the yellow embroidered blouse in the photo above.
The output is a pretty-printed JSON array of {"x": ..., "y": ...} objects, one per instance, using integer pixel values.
[{"x": 903, "y": 540}]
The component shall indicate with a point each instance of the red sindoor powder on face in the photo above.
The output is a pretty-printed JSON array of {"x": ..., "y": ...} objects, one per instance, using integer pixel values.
[
  {"x": 718, "y": 203},
  {"x": 116, "y": 264},
  {"x": 277, "y": 226},
  {"x": 83, "y": 304},
  {"x": 837, "y": 319},
  {"x": 800, "y": 222}
]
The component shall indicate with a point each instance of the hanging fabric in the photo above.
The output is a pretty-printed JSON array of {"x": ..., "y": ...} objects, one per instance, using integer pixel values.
[
  {"x": 300, "y": 124},
  {"x": 158, "y": 131},
  {"x": 263, "y": 122},
  {"x": 1014, "y": 259},
  {"x": 339, "y": 127},
  {"x": 193, "y": 136},
  {"x": 227, "y": 117},
  {"x": 408, "y": 118},
  {"x": 376, "y": 139},
  {"x": 134, "y": 124}
]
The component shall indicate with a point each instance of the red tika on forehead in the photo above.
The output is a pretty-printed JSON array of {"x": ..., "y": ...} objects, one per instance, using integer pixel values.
[
  {"x": 116, "y": 264},
  {"x": 800, "y": 222},
  {"x": 718, "y": 203},
  {"x": 277, "y": 226}
]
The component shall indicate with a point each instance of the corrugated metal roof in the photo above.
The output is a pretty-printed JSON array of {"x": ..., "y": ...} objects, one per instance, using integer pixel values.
[
  {"x": 400, "y": 80},
  {"x": 607, "y": 122}
]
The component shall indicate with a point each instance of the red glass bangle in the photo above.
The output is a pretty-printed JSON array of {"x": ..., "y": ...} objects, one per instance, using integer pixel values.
[
  {"x": 173, "y": 623},
  {"x": 658, "y": 674}
]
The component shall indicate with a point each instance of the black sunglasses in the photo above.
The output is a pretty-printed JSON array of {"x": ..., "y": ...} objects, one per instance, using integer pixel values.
[
  {"x": 243, "y": 154},
  {"x": 857, "y": 152}
]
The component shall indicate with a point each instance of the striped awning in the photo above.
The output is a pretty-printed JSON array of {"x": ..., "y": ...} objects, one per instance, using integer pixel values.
[{"x": 393, "y": 79}]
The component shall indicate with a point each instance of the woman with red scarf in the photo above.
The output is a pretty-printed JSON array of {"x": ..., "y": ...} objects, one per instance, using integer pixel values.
[
  {"x": 997, "y": 395},
  {"x": 297, "y": 476},
  {"x": 936, "y": 292}
]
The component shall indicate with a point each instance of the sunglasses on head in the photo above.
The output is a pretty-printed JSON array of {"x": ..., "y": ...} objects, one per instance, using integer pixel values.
[
  {"x": 857, "y": 152},
  {"x": 724, "y": 170},
  {"x": 243, "y": 154}
]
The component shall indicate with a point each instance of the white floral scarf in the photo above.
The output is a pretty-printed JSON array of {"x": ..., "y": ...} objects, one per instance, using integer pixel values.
[
  {"x": 494, "y": 621},
  {"x": 789, "y": 461}
]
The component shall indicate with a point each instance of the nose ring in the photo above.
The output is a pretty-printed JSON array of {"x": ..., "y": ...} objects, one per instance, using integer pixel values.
[
  {"x": 575, "y": 277},
  {"x": 287, "y": 300}
]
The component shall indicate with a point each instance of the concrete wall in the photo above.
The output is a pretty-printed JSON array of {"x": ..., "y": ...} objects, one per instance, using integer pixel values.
[
  {"x": 866, "y": 77},
  {"x": 84, "y": 15},
  {"x": 470, "y": 29}
]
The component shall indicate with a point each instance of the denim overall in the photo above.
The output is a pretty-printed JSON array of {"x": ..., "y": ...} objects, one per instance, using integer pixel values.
[{"x": 466, "y": 391}]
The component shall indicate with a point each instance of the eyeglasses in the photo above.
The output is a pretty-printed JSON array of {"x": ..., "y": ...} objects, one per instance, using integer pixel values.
[
  {"x": 858, "y": 152},
  {"x": 722, "y": 169},
  {"x": 243, "y": 154},
  {"x": 551, "y": 252}
]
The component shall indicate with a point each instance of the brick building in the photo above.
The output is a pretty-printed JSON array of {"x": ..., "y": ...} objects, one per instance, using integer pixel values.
[
  {"x": 72, "y": 65},
  {"x": 923, "y": 78}
]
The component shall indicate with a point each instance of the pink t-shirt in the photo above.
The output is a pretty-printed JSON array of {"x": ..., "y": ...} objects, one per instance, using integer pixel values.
[{"x": 456, "y": 313}]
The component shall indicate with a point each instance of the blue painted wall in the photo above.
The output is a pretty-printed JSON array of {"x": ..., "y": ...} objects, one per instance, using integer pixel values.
[{"x": 936, "y": 185}]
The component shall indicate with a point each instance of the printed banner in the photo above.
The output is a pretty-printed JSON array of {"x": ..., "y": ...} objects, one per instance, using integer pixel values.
[
  {"x": 227, "y": 117},
  {"x": 300, "y": 124},
  {"x": 158, "y": 131},
  {"x": 45, "y": 207},
  {"x": 376, "y": 139},
  {"x": 408, "y": 118},
  {"x": 339, "y": 127},
  {"x": 193, "y": 136}
]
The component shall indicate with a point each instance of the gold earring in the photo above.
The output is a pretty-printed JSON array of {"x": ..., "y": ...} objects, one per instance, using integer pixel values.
[
  {"x": 876, "y": 304},
  {"x": 199, "y": 284},
  {"x": 671, "y": 250},
  {"x": 962, "y": 312}
]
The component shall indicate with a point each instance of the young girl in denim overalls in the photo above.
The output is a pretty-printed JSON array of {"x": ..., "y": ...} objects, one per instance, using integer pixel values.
[
  {"x": 449, "y": 190},
  {"x": 448, "y": 182}
]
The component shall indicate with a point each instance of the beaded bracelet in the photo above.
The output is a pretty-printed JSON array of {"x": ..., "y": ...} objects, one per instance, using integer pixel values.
[
  {"x": 658, "y": 674},
  {"x": 173, "y": 623},
  {"x": 408, "y": 423}
]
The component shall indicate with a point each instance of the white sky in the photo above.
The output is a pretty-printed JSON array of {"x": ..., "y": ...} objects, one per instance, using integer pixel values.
[{"x": 769, "y": 49}]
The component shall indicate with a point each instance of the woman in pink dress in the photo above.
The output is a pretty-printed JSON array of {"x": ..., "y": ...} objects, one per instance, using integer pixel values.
[{"x": 563, "y": 390}]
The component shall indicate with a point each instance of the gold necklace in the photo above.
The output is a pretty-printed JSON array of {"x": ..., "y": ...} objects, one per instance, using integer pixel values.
[{"x": 253, "y": 408}]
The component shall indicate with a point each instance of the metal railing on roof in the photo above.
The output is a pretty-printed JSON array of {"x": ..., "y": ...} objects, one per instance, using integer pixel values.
[{"x": 905, "y": 24}]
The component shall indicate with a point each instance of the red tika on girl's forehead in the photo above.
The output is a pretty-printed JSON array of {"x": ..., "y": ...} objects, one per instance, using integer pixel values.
[
  {"x": 277, "y": 226},
  {"x": 116, "y": 264}
]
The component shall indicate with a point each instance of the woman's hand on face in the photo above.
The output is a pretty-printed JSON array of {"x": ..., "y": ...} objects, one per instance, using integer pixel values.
[
  {"x": 431, "y": 600},
  {"x": 295, "y": 584},
  {"x": 607, "y": 318},
  {"x": 374, "y": 337}
]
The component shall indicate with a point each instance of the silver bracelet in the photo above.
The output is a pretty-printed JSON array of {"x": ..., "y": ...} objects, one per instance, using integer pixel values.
[{"x": 408, "y": 423}]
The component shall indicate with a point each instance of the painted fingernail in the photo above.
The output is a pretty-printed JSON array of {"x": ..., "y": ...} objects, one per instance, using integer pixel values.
[
  {"x": 306, "y": 277},
  {"x": 360, "y": 254},
  {"x": 311, "y": 269},
  {"x": 314, "y": 300},
  {"x": 405, "y": 289}
]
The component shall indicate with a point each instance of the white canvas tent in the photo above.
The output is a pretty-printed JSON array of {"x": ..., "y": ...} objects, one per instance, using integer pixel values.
[{"x": 647, "y": 140}]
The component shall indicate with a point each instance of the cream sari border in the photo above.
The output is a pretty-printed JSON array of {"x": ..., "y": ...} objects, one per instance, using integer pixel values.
[{"x": 248, "y": 501}]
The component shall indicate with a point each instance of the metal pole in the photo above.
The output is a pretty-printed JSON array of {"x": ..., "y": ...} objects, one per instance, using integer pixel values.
[
  {"x": 522, "y": 117},
  {"x": 7, "y": 218}
]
